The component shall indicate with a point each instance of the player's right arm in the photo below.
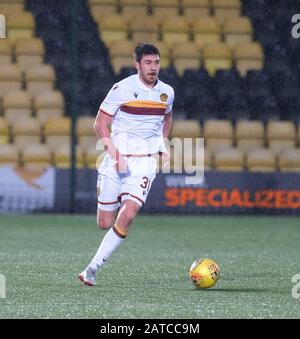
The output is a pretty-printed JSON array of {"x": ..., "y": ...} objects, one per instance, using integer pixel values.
[
  {"x": 101, "y": 127},
  {"x": 104, "y": 119}
]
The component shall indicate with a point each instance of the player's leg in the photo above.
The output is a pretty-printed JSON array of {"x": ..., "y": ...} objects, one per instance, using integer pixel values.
[
  {"x": 139, "y": 184},
  {"x": 135, "y": 189},
  {"x": 105, "y": 219},
  {"x": 127, "y": 213},
  {"x": 108, "y": 188}
]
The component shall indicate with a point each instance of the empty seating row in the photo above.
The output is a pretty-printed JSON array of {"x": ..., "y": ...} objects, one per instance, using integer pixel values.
[
  {"x": 246, "y": 135},
  {"x": 245, "y": 57},
  {"x": 231, "y": 159},
  {"x": 40, "y": 155},
  {"x": 26, "y": 52},
  {"x": 20, "y": 104},
  {"x": 36, "y": 79},
  {"x": 191, "y": 8},
  {"x": 55, "y": 131}
]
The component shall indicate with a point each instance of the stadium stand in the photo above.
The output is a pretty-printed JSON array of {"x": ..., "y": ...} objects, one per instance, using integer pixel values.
[
  {"x": 36, "y": 155},
  {"x": 193, "y": 9},
  {"x": 9, "y": 155},
  {"x": 62, "y": 156},
  {"x": 281, "y": 135},
  {"x": 261, "y": 160},
  {"x": 229, "y": 159},
  {"x": 249, "y": 135},
  {"x": 4, "y": 131},
  {"x": 233, "y": 72},
  {"x": 29, "y": 52},
  {"x": 57, "y": 132},
  {"x": 5, "y": 52},
  {"x": 26, "y": 132},
  {"x": 205, "y": 31},
  {"x": 39, "y": 78},
  {"x": 10, "y": 79},
  {"x": 218, "y": 134},
  {"x": 134, "y": 8},
  {"x": 289, "y": 160},
  {"x": 16, "y": 104},
  {"x": 226, "y": 9},
  {"x": 85, "y": 133}
]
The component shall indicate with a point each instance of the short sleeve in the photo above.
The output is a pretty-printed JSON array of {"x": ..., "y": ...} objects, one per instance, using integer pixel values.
[
  {"x": 170, "y": 102},
  {"x": 113, "y": 101}
]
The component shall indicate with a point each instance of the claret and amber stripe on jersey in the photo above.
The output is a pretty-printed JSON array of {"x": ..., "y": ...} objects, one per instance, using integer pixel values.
[{"x": 144, "y": 107}]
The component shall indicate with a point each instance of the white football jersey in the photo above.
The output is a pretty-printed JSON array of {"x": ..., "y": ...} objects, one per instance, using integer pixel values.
[{"x": 138, "y": 113}]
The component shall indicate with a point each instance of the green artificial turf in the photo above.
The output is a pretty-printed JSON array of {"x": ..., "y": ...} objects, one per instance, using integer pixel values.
[{"x": 147, "y": 277}]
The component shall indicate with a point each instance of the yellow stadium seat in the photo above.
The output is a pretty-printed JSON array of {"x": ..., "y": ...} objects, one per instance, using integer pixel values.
[
  {"x": 57, "y": 126},
  {"x": 49, "y": 100},
  {"x": 4, "y": 131},
  {"x": 87, "y": 141},
  {"x": 134, "y": 8},
  {"x": 217, "y": 56},
  {"x": 94, "y": 158},
  {"x": 85, "y": 126},
  {"x": 8, "y": 7},
  {"x": 206, "y": 31},
  {"x": 218, "y": 134},
  {"x": 165, "y": 57},
  {"x": 249, "y": 135},
  {"x": 194, "y": 9},
  {"x": 85, "y": 133},
  {"x": 62, "y": 157},
  {"x": 26, "y": 131},
  {"x": 175, "y": 30},
  {"x": 29, "y": 52},
  {"x": 9, "y": 155},
  {"x": 165, "y": 8},
  {"x": 5, "y": 52},
  {"x": 43, "y": 114},
  {"x": 10, "y": 78},
  {"x": 281, "y": 135},
  {"x": 226, "y": 9},
  {"x": 144, "y": 29},
  {"x": 229, "y": 159},
  {"x": 38, "y": 155},
  {"x": 289, "y": 160},
  {"x": 103, "y": 7},
  {"x": 237, "y": 30},
  {"x": 113, "y": 28},
  {"x": 298, "y": 134},
  {"x": 20, "y": 25},
  {"x": 185, "y": 129},
  {"x": 249, "y": 56},
  {"x": 40, "y": 78},
  {"x": 16, "y": 105},
  {"x": 121, "y": 54},
  {"x": 57, "y": 132},
  {"x": 261, "y": 160},
  {"x": 186, "y": 55},
  {"x": 145, "y": 37}
]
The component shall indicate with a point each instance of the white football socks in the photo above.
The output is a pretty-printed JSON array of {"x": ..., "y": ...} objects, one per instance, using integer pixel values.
[{"x": 109, "y": 244}]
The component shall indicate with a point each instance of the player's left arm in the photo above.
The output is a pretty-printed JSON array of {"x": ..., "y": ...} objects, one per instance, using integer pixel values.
[
  {"x": 167, "y": 125},
  {"x": 168, "y": 119}
]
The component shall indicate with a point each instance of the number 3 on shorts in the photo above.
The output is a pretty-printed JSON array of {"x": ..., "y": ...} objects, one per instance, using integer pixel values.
[{"x": 146, "y": 183}]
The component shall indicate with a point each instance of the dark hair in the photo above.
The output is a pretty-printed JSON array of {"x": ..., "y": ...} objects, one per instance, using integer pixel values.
[{"x": 145, "y": 49}]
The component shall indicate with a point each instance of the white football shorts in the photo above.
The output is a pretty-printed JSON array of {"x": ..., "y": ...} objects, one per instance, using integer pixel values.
[{"x": 113, "y": 188}]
